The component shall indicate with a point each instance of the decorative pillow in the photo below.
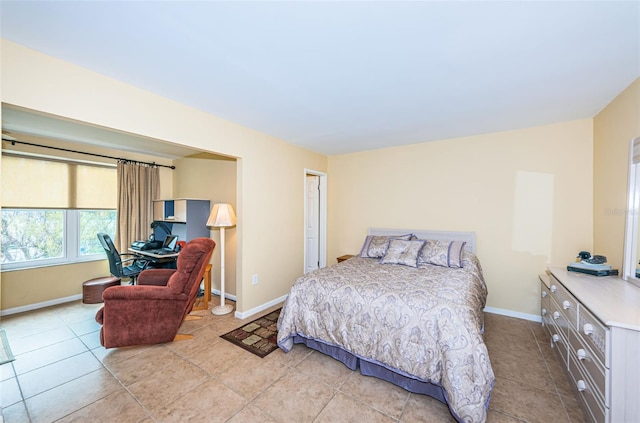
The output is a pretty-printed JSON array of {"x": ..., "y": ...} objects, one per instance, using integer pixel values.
[
  {"x": 376, "y": 246},
  {"x": 442, "y": 253},
  {"x": 402, "y": 252}
]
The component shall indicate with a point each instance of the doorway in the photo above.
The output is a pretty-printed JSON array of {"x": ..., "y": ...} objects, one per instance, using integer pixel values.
[{"x": 315, "y": 220}]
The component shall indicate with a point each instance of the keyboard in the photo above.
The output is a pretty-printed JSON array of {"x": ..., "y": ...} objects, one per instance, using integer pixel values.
[{"x": 162, "y": 252}]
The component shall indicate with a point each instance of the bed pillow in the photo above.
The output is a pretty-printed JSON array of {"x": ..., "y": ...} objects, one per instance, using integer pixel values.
[
  {"x": 375, "y": 246},
  {"x": 442, "y": 253},
  {"x": 402, "y": 252}
]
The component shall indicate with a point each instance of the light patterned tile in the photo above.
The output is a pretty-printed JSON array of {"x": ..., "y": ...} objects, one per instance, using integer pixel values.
[
  {"x": 34, "y": 342},
  {"x": 44, "y": 356},
  {"x": 288, "y": 380},
  {"x": 291, "y": 358},
  {"x": 52, "y": 375},
  {"x": 421, "y": 408},
  {"x": 346, "y": 409},
  {"x": 535, "y": 373},
  {"x": 250, "y": 414},
  {"x": 527, "y": 403},
  {"x": 380, "y": 394},
  {"x": 251, "y": 375},
  {"x": 176, "y": 380},
  {"x": 325, "y": 369},
  {"x": 71, "y": 396},
  {"x": 218, "y": 359},
  {"x": 10, "y": 392},
  {"x": 209, "y": 402},
  {"x": 139, "y": 366},
  {"x": 6, "y": 371},
  {"x": 294, "y": 397},
  {"x": 16, "y": 413},
  {"x": 119, "y": 407},
  {"x": 494, "y": 416}
]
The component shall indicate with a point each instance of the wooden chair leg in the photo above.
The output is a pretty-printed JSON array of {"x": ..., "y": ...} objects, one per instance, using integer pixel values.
[
  {"x": 192, "y": 317},
  {"x": 182, "y": 337}
]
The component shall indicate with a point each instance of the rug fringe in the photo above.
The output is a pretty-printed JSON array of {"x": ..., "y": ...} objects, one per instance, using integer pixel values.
[{"x": 6, "y": 355}]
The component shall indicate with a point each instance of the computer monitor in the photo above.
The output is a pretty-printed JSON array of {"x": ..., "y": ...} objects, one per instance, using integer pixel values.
[{"x": 170, "y": 242}]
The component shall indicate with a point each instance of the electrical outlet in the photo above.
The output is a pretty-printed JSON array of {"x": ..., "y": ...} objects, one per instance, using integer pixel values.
[{"x": 254, "y": 279}]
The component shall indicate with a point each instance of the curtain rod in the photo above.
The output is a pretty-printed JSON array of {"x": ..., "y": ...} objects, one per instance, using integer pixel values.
[{"x": 14, "y": 141}]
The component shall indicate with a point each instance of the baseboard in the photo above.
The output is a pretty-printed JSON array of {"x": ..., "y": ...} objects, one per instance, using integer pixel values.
[
  {"x": 516, "y": 314},
  {"x": 260, "y": 308},
  {"x": 243, "y": 315},
  {"x": 226, "y": 295},
  {"x": 43, "y": 304}
]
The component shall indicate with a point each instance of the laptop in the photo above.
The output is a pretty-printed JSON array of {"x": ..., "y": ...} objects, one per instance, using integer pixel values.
[{"x": 168, "y": 246}]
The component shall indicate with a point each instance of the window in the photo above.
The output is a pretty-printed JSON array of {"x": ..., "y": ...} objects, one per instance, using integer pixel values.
[
  {"x": 32, "y": 238},
  {"x": 54, "y": 212}
]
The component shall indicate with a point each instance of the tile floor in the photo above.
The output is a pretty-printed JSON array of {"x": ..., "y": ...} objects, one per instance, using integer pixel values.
[{"x": 62, "y": 374}]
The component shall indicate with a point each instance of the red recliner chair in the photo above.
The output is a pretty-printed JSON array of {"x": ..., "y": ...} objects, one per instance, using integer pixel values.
[{"x": 152, "y": 311}]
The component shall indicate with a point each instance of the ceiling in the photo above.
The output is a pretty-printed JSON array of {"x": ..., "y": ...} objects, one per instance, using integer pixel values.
[
  {"x": 338, "y": 77},
  {"x": 17, "y": 121}
]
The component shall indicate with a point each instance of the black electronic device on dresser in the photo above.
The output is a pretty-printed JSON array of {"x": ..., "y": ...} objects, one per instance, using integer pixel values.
[{"x": 595, "y": 265}]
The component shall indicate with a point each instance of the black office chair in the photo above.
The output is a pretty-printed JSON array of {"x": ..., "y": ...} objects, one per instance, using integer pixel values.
[{"x": 119, "y": 267}]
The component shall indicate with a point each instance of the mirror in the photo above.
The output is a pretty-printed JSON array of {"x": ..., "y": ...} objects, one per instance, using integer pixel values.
[{"x": 631, "y": 266}]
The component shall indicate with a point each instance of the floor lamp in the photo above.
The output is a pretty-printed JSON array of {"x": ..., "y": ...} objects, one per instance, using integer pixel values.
[{"x": 222, "y": 216}]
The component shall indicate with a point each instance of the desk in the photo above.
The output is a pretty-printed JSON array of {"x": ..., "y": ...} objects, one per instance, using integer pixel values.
[
  {"x": 157, "y": 260},
  {"x": 146, "y": 253}
]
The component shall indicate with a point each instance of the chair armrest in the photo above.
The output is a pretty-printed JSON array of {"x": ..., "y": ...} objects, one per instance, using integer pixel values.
[
  {"x": 158, "y": 277},
  {"x": 141, "y": 293}
]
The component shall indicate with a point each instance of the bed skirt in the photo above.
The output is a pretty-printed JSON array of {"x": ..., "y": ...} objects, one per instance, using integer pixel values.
[{"x": 377, "y": 370}]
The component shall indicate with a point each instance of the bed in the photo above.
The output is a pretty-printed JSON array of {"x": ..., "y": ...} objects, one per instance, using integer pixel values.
[{"x": 408, "y": 309}]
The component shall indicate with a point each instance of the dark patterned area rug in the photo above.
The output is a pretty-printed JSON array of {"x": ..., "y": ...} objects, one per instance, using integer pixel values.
[{"x": 258, "y": 337}]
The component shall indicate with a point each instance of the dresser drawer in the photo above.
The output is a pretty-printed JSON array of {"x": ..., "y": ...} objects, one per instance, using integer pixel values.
[
  {"x": 565, "y": 300},
  {"x": 587, "y": 394},
  {"x": 558, "y": 343},
  {"x": 595, "y": 334},
  {"x": 544, "y": 303},
  {"x": 589, "y": 365},
  {"x": 558, "y": 317}
]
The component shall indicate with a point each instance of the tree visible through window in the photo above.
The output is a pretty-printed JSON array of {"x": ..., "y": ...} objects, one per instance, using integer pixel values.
[
  {"x": 32, "y": 235},
  {"x": 92, "y": 222}
]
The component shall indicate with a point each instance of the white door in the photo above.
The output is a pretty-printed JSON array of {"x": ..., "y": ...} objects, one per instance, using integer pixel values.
[{"x": 312, "y": 229}]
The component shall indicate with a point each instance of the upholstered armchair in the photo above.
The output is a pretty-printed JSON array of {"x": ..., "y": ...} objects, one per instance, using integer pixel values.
[{"x": 152, "y": 311}]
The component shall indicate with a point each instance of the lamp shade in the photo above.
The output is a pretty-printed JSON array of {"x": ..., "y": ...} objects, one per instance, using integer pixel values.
[{"x": 222, "y": 216}]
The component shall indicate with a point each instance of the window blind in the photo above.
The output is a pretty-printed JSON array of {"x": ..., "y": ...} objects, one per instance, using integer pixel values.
[{"x": 40, "y": 183}]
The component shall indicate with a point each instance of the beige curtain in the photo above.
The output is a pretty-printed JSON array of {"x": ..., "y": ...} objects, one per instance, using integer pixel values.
[{"x": 138, "y": 186}]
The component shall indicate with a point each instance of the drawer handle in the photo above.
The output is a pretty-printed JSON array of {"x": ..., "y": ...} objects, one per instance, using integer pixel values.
[
  {"x": 587, "y": 328},
  {"x": 554, "y": 288},
  {"x": 582, "y": 354},
  {"x": 566, "y": 304},
  {"x": 544, "y": 311},
  {"x": 544, "y": 294},
  {"x": 556, "y": 315},
  {"x": 581, "y": 385},
  {"x": 555, "y": 337}
]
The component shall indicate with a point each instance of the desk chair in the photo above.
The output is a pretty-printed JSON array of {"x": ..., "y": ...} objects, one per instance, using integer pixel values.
[{"x": 117, "y": 265}]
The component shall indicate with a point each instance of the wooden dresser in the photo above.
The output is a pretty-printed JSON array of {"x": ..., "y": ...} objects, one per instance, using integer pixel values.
[{"x": 594, "y": 325}]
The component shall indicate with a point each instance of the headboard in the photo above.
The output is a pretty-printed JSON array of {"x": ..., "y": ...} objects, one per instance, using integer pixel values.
[{"x": 468, "y": 237}]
